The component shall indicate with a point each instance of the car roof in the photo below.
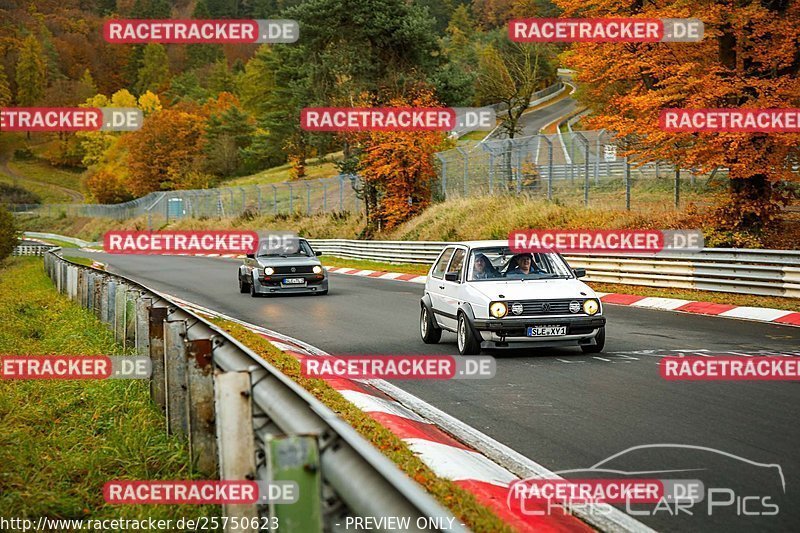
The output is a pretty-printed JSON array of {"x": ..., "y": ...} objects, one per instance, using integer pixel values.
[{"x": 488, "y": 244}]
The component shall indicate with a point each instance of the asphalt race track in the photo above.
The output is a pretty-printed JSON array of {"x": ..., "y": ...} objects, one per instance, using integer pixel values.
[{"x": 561, "y": 408}]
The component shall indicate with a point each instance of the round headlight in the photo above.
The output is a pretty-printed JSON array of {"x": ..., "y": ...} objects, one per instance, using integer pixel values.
[
  {"x": 317, "y": 269},
  {"x": 516, "y": 308},
  {"x": 574, "y": 306},
  {"x": 590, "y": 307},
  {"x": 269, "y": 271},
  {"x": 498, "y": 309}
]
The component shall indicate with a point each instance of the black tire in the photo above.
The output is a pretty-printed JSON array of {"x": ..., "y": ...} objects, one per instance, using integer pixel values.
[
  {"x": 322, "y": 293},
  {"x": 601, "y": 342},
  {"x": 467, "y": 342},
  {"x": 243, "y": 288},
  {"x": 253, "y": 293},
  {"x": 428, "y": 330}
]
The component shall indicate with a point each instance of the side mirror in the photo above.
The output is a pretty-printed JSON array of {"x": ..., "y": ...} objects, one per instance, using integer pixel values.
[
  {"x": 318, "y": 253},
  {"x": 579, "y": 272},
  {"x": 251, "y": 256},
  {"x": 452, "y": 276}
]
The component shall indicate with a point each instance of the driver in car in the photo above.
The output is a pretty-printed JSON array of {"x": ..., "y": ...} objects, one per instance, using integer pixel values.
[{"x": 523, "y": 265}]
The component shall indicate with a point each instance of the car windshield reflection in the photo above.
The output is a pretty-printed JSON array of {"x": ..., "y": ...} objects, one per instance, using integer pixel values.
[{"x": 500, "y": 263}]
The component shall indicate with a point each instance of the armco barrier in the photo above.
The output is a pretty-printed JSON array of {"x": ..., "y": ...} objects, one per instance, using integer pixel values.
[
  {"x": 30, "y": 249},
  {"x": 229, "y": 402},
  {"x": 744, "y": 271}
]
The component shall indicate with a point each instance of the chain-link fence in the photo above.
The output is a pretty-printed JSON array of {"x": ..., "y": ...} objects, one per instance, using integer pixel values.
[
  {"x": 581, "y": 167},
  {"x": 295, "y": 197}
]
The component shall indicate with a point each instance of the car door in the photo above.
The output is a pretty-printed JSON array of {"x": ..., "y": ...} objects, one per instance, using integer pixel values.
[
  {"x": 435, "y": 286},
  {"x": 452, "y": 291}
]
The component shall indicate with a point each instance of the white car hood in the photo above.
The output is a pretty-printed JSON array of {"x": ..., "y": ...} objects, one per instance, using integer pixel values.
[{"x": 551, "y": 289}]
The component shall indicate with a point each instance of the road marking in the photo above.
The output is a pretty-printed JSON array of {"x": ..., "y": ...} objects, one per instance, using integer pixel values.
[
  {"x": 602, "y": 359},
  {"x": 570, "y": 362}
]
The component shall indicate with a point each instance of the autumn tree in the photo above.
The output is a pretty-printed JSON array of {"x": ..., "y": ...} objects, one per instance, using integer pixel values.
[
  {"x": 509, "y": 73},
  {"x": 5, "y": 90},
  {"x": 154, "y": 73},
  {"x": 31, "y": 72},
  {"x": 163, "y": 154},
  {"x": 397, "y": 166},
  {"x": 748, "y": 58}
]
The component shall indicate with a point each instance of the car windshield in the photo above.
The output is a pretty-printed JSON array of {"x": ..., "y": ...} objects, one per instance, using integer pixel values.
[
  {"x": 303, "y": 250},
  {"x": 501, "y": 263}
]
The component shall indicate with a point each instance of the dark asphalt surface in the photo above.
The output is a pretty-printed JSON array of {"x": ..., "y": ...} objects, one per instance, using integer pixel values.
[
  {"x": 532, "y": 122},
  {"x": 561, "y": 408}
]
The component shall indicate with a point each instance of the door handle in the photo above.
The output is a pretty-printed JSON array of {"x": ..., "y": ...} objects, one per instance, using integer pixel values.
[{"x": 441, "y": 287}]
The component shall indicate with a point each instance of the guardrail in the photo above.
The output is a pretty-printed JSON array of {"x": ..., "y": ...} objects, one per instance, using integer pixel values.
[
  {"x": 230, "y": 403},
  {"x": 744, "y": 271},
  {"x": 31, "y": 249}
]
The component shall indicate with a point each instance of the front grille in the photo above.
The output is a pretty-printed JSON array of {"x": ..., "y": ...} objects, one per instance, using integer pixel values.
[
  {"x": 308, "y": 269},
  {"x": 545, "y": 307}
]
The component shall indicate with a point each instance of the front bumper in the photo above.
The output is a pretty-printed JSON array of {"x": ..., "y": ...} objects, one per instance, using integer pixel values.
[
  {"x": 273, "y": 285},
  {"x": 498, "y": 332}
]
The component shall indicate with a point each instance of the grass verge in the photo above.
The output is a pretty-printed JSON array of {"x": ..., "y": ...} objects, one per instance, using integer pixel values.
[
  {"x": 405, "y": 268},
  {"x": 62, "y": 440},
  {"x": 461, "y": 502}
]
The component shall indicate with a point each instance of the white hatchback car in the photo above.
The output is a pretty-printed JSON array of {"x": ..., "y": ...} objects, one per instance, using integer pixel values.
[{"x": 493, "y": 298}]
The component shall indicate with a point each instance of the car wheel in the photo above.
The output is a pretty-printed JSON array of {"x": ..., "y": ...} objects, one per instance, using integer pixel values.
[
  {"x": 600, "y": 339},
  {"x": 253, "y": 292},
  {"x": 428, "y": 330},
  {"x": 322, "y": 292},
  {"x": 243, "y": 288},
  {"x": 467, "y": 343}
]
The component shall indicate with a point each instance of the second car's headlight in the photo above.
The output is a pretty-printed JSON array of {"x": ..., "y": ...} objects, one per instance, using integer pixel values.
[
  {"x": 498, "y": 309},
  {"x": 317, "y": 269},
  {"x": 269, "y": 271},
  {"x": 590, "y": 307}
]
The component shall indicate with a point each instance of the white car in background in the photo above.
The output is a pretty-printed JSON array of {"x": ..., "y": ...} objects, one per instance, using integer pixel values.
[{"x": 493, "y": 298}]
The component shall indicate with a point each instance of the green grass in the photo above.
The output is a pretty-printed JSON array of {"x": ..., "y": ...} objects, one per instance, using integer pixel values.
[
  {"x": 461, "y": 502},
  {"x": 41, "y": 170},
  {"x": 62, "y": 440},
  {"x": 79, "y": 260},
  {"x": 59, "y": 242},
  {"x": 405, "y": 268},
  {"x": 314, "y": 170}
]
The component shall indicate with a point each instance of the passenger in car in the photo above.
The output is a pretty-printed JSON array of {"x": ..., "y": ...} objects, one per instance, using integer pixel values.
[{"x": 483, "y": 268}]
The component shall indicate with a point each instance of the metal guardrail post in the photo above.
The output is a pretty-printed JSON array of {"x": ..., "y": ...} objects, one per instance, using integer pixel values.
[
  {"x": 200, "y": 403},
  {"x": 157, "y": 319},
  {"x": 120, "y": 304},
  {"x": 175, "y": 355},
  {"x": 142, "y": 325},
  {"x": 235, "y": 439}
]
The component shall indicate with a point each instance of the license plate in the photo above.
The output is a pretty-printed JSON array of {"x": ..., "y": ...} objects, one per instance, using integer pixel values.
[
  {"x": 293, "y": 281},
  {"x": 547, "y": 331}
]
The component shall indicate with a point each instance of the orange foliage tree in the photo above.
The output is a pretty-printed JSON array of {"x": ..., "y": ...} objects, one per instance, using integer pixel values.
[
  {"x": 397, "y": 166},
  {"x": 165, "y": 152},
  {"x": 748, "y": 58}
]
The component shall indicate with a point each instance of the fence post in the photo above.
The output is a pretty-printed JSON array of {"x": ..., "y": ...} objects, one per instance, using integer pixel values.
[
  {"x": 175, "y": 373},
  {"x": 275, "y": 198},
  {"x": 466, "y": 169},
  {"x": 341, "y": 193},
  {"x": 235, "y": 437},
  {"x": 549, "y": 166},
  {"x": 443, "y": 181},
  {"x": 677, "y": 186},
  {"x": 324, "y": 196},
  {"x": 627, "y": 184},
  {"x": 578, "y": 135},
  {"x": 291, "y": 200},
  {"x": 491, "y": 173},
  {"x": 308, "y": 199}
]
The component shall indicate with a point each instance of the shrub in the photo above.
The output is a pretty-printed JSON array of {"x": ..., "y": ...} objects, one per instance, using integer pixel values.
[{"x": 8, "y": 233}]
